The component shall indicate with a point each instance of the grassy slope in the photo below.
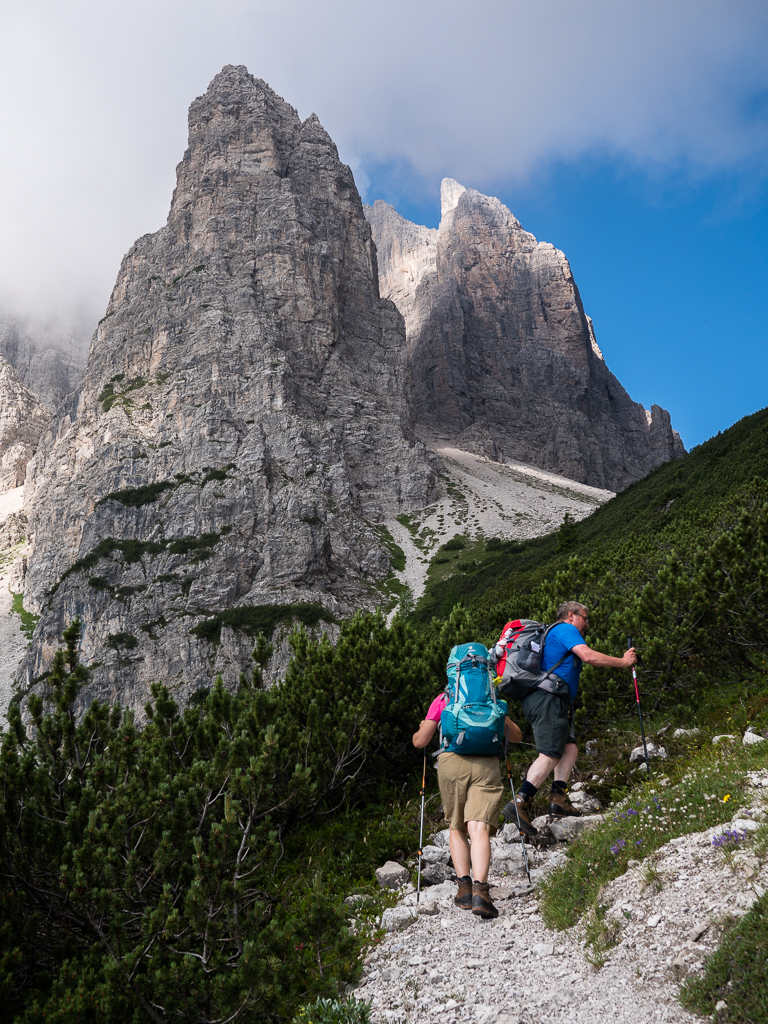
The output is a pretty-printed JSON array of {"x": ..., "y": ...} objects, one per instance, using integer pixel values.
[{"x": 682, "y": 494}]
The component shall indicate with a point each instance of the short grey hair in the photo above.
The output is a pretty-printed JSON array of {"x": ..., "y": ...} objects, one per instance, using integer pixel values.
[{"x": 571, "y": 608}]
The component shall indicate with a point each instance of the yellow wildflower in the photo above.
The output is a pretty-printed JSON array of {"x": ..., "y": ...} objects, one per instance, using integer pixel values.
[{"x": 726, "y": 797}]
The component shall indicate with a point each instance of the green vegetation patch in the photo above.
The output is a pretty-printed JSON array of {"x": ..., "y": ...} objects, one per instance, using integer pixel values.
[
  {"x": 111, "y": 395},
  {"x": 407, "y": 521},
  {"x": 122, "y": 641},
  {"x": 334, "y": 1011},
  {"x": 395, "y": 552},
  {"x": 28, "y": 620},
  {"x": 253, "y": 619},
  {"x": 456, "y": 543},
  {"x": 200, "y": 547},
  {"x": 135, "y": 497},
  {"x": 459, "y": 569},
  {"x": 735, "y": 972},
  {"x": 217, "y": 474},
  {"x": 301, "y": 779},
  {"x": 134, "y": 550}
]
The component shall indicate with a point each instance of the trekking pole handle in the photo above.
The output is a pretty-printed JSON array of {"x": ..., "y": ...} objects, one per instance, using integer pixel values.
[{"x": 634, "y": 673}]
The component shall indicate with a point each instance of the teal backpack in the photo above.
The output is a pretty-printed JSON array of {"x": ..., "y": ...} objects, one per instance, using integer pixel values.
[{"x": 472, "y": 722}]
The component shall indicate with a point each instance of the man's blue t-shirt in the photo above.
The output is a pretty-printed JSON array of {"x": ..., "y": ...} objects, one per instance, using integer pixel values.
[{"x": 561, "y": 638}]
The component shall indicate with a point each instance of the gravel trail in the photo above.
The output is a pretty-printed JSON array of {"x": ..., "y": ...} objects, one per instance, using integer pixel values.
[{"x": 450, "y": 966}]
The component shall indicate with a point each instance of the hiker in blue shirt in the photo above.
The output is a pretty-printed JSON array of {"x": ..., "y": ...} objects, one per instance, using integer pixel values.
[{"x": 551, "y": 717}]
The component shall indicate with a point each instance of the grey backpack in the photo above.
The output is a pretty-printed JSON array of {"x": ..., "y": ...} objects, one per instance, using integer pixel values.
[{"x": 521, "y": 672}]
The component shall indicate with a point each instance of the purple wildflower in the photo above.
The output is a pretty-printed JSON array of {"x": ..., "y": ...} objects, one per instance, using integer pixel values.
[
  {"x": 618, "y": 845},
  {"x": 729, "y": 836}
]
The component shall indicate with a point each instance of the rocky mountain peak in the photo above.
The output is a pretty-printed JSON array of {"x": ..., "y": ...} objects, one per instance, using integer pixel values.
[
  {"x": 450, "y": 192},
  {"x": 504, "y": 361},
  {"x": 244, "y": 420}
]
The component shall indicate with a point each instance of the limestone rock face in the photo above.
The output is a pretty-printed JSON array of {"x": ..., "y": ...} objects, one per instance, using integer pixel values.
[
  {"x": 243, "y": 422},
  {"x": 504, "y": 361},
  {"x": 23, "y": 418},
  {"x": 51, "y": 373}
]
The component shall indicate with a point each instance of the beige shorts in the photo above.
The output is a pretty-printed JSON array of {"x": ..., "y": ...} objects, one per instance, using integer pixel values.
[{"x": 470, "y": 788}]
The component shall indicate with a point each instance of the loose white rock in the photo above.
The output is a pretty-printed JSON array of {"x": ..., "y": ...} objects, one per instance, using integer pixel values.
[
  {"x": 654, "y": 751},
  {"x": 567, "y": 829},
  {"x": 394, "y": 919},
  {"x": 436, "y": 854},
  {"x": 442, "y": 838},
  {"x": 586, "y": 804},
  {"x": 752, "y": 737},
  {"x": 510, "y": 833},
  {"x": 723, "y": 738},
  {"x": 392, "y": 875},
  {"x": 544, "y": 949},
  {"x": 509, "y": 858}
]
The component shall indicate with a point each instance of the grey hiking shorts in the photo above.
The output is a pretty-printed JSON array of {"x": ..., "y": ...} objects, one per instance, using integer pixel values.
[{"x": 550, "y": 720}]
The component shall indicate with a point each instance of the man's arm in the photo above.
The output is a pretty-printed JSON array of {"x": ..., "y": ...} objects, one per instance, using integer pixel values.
[
  {"x": 424, "y": 733},
  {"x": 590, "y": 657}
]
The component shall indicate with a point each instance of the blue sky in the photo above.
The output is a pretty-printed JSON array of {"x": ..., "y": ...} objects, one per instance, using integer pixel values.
[{"x": 632, "y": 135}]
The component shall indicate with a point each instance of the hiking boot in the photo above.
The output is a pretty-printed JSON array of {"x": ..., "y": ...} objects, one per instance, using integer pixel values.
[
  {"x": 463, "y": 897},
  {"x": 561, "y": 806},
  {"x": 523, "y": 808},
  {"x": 482, "y": 904}
]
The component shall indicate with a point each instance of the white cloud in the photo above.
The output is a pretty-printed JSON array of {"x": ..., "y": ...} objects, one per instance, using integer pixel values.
[{"x": 93, "y": 102}]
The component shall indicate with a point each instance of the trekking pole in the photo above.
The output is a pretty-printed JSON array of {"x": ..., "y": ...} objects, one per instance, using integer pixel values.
[
  {"x": 517, "y": 814},
  {"x": 639, "y": 711},
  {"x": 421, "y": 826}
]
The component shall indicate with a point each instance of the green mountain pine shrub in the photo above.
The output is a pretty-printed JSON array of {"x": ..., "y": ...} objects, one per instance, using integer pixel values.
[{"x": 138, "y": 866}]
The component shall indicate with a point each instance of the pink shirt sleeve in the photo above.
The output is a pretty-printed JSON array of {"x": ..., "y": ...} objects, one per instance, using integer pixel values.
[{"x": 436, "y": 708}]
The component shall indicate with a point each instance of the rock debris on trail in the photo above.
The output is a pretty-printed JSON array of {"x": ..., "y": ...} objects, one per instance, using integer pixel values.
[{"x": 446, "y": 964}]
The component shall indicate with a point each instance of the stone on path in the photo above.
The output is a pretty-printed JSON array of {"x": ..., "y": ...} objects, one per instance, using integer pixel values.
[
  {"x": 394, "y": 919},
  {"x": 434, "y": 874},
  {"x": 681, "y": 734},
  {"x": 565, "y": 830},
  {"x": 556, "y": 860},
  {"x": 441, "y": 838},
  {"x": 435, "y": 893},
  {"x": 392, "y": 875},
  {"x": 509, "y": 858},
  {"x": 436, "y": 854},
  {"x": 586, "y": 804}
]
